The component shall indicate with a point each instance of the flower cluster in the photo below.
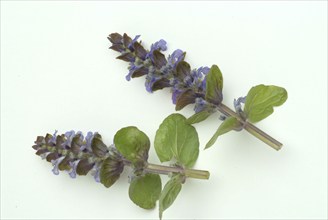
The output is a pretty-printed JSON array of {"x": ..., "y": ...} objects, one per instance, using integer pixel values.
[
  {"x": 78, "y": 154},
  {"x": 187, "y": 85}
]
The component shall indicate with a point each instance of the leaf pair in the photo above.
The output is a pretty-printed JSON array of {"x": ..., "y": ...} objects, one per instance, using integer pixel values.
[
  {"x": 134, "y": 145},
  {"x": 175, "y": 140},
  {"x": 259, "y": 104}
]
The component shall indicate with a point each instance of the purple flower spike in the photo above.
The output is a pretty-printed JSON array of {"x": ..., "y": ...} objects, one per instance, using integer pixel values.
[
  {"x": 161, "y": 72},
  {"x": 78, "y": 158}
]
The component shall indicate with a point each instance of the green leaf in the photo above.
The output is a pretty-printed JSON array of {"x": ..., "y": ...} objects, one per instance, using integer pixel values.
[
  {"x": 227, "y": 125},
  {"x": 110, "y": 171},
  {"x": 199, "y": 116},
  {"x": 132, "y": 143},
  {"x": 261, "y": 99},
  {"x": 176, "y": 139},
  {"x": 214, "y": 85},
  {"x": 145, "y": 190},
  {"x": 169, "y": 194}
]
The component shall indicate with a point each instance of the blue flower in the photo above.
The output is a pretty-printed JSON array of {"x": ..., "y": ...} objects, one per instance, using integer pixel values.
[
  {"x": 237, "y": 103},
  {"x": 69, "y": 137},
  {"x": 96, "y": 172},
  {"x": 44, "y": 156},
  {"x": 132, "y": 68},
  {"x": 200, "y": 104},
  {"x": 203, "y": 84},
  {"x": 130, "y": 46},
  {"x": 150, "y": 80},
  {"x": 53, "y": 139},
  {"x": 222, "y": 117},
  {"x": 175, "y": 94},
  {"x": 55, "y": 163},
  {"x": 73, "y": 165},
  {"x": 88, "y": 140},
  {"x": 176, "y": 57},
  {"x": 159, "y": 45}
]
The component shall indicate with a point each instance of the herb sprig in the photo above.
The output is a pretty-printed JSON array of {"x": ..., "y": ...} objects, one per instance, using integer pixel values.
[
  {"x": 202, "y": 86},
  {"x": 176, "y": 141}
]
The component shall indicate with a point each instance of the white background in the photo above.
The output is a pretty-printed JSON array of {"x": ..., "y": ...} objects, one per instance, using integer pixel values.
[{"x": 57, "y": 73}]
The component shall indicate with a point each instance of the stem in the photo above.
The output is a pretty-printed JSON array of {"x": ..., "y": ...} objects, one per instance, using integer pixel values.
[
  {"x": 160, "y": 169},
  {"x": 258, "y": 133}
]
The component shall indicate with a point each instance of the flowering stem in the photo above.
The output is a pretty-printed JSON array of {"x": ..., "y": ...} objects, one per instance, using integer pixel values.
[
  {"x": 160, "y": 169},
  {"x": 258, "y": 133}
]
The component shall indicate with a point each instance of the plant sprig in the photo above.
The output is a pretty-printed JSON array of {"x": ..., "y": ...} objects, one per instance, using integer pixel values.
[
  {"x": 202, "y": 86},
  {"x": 176, "y": 141}
]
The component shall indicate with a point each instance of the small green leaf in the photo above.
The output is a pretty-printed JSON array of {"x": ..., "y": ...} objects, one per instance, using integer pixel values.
[
  {"x": 261, "y": 99},
  {"x": 177, "y": 139},
  {"x": 227, "y": 125},
  {"x": 110, "y": 171},
  {"x": 132, "y": 143},
  {"x": 199, "y": 116},
  {"x": 214, "y": 85},
  {"x": 169, "y": 194},
  {"x": 145, "y": 190}
]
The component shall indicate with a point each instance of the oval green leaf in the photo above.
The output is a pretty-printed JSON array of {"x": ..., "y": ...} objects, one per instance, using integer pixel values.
[
  {"x": 214, "y": 85},
  {"x": 132, "y": 143},
  {"x": 176, "y": 139},
  {"x": 145, "y": 190},
  {"x": 170, "y": 192},
  {"x": 227, "y": 125},
  {"x": 261, "y": 99}
]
